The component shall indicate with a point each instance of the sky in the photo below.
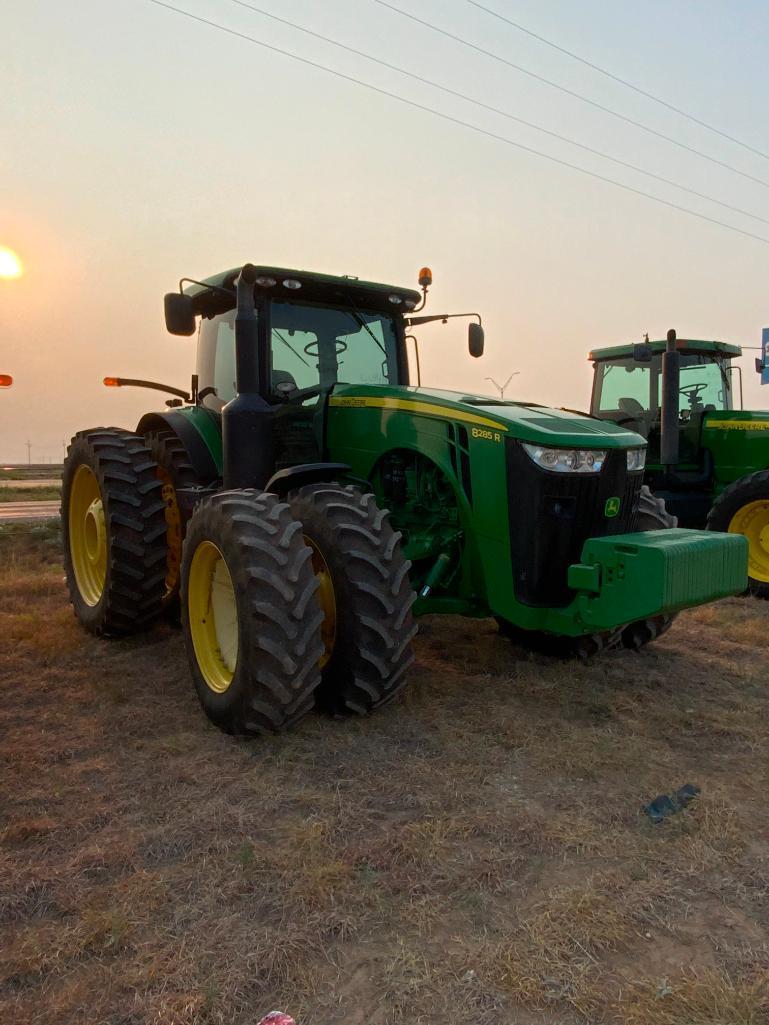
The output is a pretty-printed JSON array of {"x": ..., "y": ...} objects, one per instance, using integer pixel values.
[{"x": 138, "y": 147}]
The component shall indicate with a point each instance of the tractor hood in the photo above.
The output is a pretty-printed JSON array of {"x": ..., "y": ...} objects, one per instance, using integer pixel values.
[{"x": 562, "y": 428}]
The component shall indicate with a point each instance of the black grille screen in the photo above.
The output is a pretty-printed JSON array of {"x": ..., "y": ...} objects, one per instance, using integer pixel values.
[{"x": 553, "y": 514}]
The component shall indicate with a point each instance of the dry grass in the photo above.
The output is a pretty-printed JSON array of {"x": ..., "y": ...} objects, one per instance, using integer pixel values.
[
  {"x": 21, "y": 494},
  {"x": 474, "y": 852},
  {"x": 50, "y": 471}
]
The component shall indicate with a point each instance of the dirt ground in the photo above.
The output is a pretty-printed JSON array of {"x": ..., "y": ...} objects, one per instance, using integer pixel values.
[{"x": 474, "y": 852}]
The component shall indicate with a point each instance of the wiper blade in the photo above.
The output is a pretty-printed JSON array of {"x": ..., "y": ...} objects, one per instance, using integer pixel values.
[
  {"x": 357, "y": 316},
  {"x": 288, "y": 345}
]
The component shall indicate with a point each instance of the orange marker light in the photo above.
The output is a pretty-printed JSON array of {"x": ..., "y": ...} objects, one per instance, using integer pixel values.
[
  {"x": 425, "y": 277},
  {"x": 111, "y": 382},
  {"x": 5, "y": 380}
]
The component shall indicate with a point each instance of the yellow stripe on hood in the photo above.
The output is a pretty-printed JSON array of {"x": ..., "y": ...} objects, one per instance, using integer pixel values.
[{"x": 413, "y": 406}]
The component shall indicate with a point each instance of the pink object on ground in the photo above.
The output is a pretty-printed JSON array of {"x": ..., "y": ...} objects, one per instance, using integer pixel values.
[{"x": 277, "y": 1018}]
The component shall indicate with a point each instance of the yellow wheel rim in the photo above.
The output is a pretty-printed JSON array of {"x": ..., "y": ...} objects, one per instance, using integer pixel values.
[
  {"x": 173, "y": 530},
  {"x": 87, "y": 535},
  {"x": 752, "y": 520},
  {"x": 213, "y": 616},
  {"x": 326, "y": 598}
]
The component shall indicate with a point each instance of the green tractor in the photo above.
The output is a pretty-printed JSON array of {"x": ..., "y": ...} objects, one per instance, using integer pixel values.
[
  {"x": 303, "y": 503},
  {"x": 707, "y": 460}
]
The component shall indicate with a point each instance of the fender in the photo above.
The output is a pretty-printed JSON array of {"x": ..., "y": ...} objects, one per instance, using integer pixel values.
[
  {"x": 198, "y": 432},
  {"x": 307, "y": 473}
]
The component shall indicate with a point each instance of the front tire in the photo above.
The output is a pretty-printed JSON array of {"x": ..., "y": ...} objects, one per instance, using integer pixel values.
[
  {"x": 113, "y": 528},
  {"x": 250, "y": 613},
  {"x": 365, "y": 593},
  {"x": 652, "y": 515},
  {"x": 743, "y": 508}
]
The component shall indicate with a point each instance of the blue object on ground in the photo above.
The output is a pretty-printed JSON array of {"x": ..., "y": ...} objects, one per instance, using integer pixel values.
[{"x": 663, "y": 805}]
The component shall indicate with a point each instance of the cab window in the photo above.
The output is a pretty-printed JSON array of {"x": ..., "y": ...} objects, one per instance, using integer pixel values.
[
  {"x": 627, "y": 386},
  {"x": 624, "y": 385},
  {"x": 224, "y": 361},
  {"x": 705, "y": 385},
  {"x": 312, "y": 346},
  {"x": 319, "y": 345}
]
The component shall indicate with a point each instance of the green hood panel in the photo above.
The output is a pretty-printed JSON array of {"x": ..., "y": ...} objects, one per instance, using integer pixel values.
[{"x": 539, "y": 424}]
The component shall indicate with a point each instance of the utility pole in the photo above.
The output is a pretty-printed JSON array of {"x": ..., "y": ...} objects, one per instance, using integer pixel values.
[
  {"x": 501, "y": 387},
  {"x": 29, "y": 453}
]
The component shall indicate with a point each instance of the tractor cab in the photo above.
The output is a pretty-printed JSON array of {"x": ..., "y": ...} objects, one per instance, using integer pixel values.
[
  {"x": 322, "y": 332},
  {"x": 310, "y": 333},
  {"x": 627, "y": 388}
]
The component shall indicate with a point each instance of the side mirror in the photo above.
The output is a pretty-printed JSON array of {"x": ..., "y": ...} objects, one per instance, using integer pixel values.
[
  {"x": 475, "y": 339},
  {"x": 180, "y": 314},
  {"x": 642, "y": 353}
]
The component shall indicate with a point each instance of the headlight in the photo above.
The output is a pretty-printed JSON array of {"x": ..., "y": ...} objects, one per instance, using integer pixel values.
[
  {"x": 566, "y": 460},
  {"x": 636, "y": 459}
]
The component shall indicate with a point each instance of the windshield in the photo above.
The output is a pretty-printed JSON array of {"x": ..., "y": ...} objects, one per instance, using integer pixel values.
[
  {"x": 624, "y": 387},
  {"x": 312, "y": 346}
]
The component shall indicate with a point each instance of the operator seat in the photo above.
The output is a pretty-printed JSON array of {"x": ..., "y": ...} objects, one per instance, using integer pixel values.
[{"x": 635, "y": 416}]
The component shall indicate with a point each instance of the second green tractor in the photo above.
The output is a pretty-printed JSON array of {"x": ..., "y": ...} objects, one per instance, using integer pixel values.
[
  {"x": 303, "y": 503},
  {"x": 707, "y": 458}
]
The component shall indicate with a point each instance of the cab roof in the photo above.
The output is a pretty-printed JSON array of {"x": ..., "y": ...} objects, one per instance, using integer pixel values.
[
  {"x": 315, "y": 287},
  {"x": 684, "y": 345}
]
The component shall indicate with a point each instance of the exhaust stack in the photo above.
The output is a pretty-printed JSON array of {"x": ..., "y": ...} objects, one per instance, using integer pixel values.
[
  {"x": 671, "y": 380},
  {"x": 247, "y": 419}
]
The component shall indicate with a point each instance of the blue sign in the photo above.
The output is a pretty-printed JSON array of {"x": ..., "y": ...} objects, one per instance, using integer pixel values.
[{"x": 765, "y": 356}]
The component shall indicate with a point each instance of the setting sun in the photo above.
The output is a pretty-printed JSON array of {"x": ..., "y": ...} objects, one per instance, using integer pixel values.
[{"x": 10, "y": 264}]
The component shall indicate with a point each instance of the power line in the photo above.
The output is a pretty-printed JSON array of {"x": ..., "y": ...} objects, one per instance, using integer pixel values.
[
  {"x": 455, "y": 120},
  {"x": 571, "y": 92},
  {"x": 616, "y": 78},
  {"x": 496, "y": 110}
]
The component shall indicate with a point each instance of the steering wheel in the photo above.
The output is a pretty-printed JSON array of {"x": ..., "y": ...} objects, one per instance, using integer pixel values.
[
  {"x": 312, "y": 347},
  {"x": 692, "y": 393}
]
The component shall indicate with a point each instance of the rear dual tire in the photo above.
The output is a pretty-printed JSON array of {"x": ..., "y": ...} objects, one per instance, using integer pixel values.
[{"x": 114, "y": 532}]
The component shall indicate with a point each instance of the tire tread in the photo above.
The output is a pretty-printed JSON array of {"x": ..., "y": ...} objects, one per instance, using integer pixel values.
[{"x": 125, "y": 472}]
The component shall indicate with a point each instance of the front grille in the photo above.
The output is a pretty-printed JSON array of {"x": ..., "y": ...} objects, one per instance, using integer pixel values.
[{"x": 553, "y": 514}]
